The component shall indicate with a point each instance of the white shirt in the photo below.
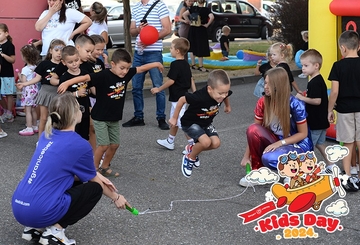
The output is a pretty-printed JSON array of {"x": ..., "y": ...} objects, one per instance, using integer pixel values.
[
  {"x": 97, "y": 28},
  {"x": 56, "y": 30}
]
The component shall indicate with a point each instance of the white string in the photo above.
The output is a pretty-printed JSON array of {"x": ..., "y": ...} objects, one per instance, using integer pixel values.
[{"x": 147, "y": 211}]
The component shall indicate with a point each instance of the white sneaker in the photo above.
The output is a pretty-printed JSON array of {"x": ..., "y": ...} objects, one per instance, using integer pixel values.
[
  {"x": 245, "y": 183},
  {"x": 57, "y": 237},
  {"x": 302, "y": 75},
  {"x": 353, "y": 170},
  {"x": 165, "y": 143},
  {"x": 28, "y": 131},
  {"x": 31, "y": 234},
  {"x": 2, "y": 134},
  {"x": 35, "y": 129}
]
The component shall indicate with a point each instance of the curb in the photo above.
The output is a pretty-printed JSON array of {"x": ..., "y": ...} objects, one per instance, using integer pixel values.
[{"x": 234, "y": 81}]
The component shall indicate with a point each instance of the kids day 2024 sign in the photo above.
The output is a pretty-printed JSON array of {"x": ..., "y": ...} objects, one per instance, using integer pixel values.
[{"x": 309, "y": 188}]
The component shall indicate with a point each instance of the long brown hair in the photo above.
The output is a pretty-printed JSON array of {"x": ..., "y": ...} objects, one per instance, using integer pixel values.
[
  {"x": 278, "y": 103},
  {"x": 5, "y": 28},
  {"x": 100, "y": 12},
  {"x": 62, "y": 17}
]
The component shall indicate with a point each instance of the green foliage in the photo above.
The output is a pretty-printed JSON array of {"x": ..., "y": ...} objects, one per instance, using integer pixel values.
[{"x": 291, "y": 18}]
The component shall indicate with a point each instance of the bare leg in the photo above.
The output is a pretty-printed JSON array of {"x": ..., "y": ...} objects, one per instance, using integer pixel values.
[
  {"x": 204, "y": 143},
  {"x": 43, "y": 118},
  {"x": 347, "y": 160}
]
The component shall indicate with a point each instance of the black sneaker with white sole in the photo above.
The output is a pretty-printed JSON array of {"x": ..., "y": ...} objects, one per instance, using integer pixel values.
[
  {"x": 55, "y": 236},
  {"x": 352, "y": 184},
  {"x": 31, "y": 234}
]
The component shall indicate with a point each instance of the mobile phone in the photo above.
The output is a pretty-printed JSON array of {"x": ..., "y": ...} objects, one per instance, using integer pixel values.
[{"x": 143, "y": 21}]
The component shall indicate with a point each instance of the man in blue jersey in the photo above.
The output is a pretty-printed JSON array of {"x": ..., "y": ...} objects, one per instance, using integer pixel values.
[{"x": 159, "y": 18}]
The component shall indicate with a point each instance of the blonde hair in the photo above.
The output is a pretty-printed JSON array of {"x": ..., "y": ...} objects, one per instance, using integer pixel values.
[
  {"x": 53, "y": 44},
  {"x": 182, "y": 44},
  {"x": 285, "y": 49},
  {"x": 278, "y": 103},
  {"x": 313, "y": 55},
  {"x": 225, "y": 29},
  {"x": 62, "y": 113}
]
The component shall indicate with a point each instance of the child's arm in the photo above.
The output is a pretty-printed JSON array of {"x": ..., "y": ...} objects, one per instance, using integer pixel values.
[
  {"x": 36, "y": 79},
  {"x": 63, "y": 87},
  {"x": 146, "y": 67},
  {"x": 179, "y": 105},
  {"x": 226, "y": 46},
  {"x": 54, "y": 80},
  {"x": 307, "y": 100},
  {"x": 295, "y": 86},
  {"x": 227, "y": 108},
  {"x": 10, "y": 59},
  {"x": 193, "y": 86},
  {"x": 165, "y": 85},
  {"x": 334, "y": 92},
  {"x": 257, "y": 69}
]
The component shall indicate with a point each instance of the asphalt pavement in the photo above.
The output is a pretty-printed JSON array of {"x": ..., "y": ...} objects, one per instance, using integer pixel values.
[{"x": 202, "y": 209}]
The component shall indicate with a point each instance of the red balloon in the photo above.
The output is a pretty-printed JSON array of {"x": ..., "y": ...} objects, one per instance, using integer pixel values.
[{"x": 149, "y": 35}]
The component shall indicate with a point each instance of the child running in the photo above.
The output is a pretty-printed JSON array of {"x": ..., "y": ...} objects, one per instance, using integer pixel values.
[
  {"x": 110, "y": 85},
  {"x": 30, "y": 55},
  {"x": 7, "y": 53},
  {"x": 179, "y": 81},
  {"x": 43, "y": 75},
  {"x": 197, "y": 120}
]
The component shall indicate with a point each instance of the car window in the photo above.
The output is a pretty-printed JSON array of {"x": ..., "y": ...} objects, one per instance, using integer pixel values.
[
  {"x": 216, "y": 7},
  {"x": 229, "y": 7},
  {"x": 246, "y": 9},
  {"x": 117, "y": 11}
]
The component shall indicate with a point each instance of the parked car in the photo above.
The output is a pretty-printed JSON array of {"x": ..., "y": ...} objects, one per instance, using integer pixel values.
[
  {"x": 244, "y": 19},
  {"x": 115, "y": 23}
]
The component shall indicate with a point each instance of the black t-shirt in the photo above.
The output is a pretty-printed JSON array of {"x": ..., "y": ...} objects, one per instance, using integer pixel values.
[
  {"x": 317, "y": 114},
  {"x": 347, "y": 73},
  {"x": 287, "y": 69},
  {"x": 110, "y": 94},
  {"x": 84, "y": 100},
  {"x": 202, "y": 11},
  {"x": 84, "y": 67},
  {"x": 202, "y": 108},
  {"x": 73, "y": 4},
  {"x": 181, "y": 74},
  {"x": 224, "y": 39},
  {"x": 45, "y": 70},
  {"x": 264, "y": 68},
  {"x": 7, "y": 69},
  {"x": 97, "y": 66}
]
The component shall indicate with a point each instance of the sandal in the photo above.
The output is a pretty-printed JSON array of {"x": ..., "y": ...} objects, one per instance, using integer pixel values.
[
  {"x": 193, "y": 67},
  {"x": 107, "y": 172},
  {"x": 201, "y": 68}
]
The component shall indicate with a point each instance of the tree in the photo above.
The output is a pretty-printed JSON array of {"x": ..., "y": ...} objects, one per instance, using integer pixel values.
[
  {"x": 127, "y": 21},
  {"x": 290, "y": 19}
]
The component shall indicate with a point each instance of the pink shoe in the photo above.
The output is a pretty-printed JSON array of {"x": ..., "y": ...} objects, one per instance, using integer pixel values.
[
  {"x": 27, "y": 132},
  {"x": 35, "y": 129}
]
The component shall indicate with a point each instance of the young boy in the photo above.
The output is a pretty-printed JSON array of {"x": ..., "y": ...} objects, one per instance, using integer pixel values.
[
  {"x": 345, "y": 99},
  {"x": 224, "y": 42},
  {"x": 70, "y": 58},
  {"x": 110, "y": 87},
  {"x": 316, "y": 100},
  {"x": 197, "y": 120},
  {"x": 179, "y": 81}
]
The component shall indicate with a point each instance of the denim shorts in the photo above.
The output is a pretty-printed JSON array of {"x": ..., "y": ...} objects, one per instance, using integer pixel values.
[
  {"x": 195, "y": 131},
  {"x": 318, "y": 137}
]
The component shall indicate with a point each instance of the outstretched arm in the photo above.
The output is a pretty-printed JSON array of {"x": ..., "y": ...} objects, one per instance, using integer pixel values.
[
  {"x": 146, "y": 67},
  {"x": 63, "y": 87},
  {"x": 165, "y": 85},
  {"x": 36, "y": 79}
]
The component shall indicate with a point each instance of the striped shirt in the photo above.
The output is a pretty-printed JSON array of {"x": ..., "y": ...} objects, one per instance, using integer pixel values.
[{"x": 159, "y": 12}]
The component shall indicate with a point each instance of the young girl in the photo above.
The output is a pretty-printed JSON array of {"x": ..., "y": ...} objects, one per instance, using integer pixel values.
[
  {"x": 30, "y": 55},
  {"x": 7, "y": 53},
  {"x": 261, "y": 69},
  {"x": 43, "y": 74},
  {"x": 281, "y": 54}
]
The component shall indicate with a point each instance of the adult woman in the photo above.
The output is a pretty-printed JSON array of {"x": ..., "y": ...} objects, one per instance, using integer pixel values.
[
  {"x": 98, "y": 14},
  {"x": 59, "y": 22},
  {"x": 61, "y": 185},
  {"x": 274, "y": 132},
  {"x": 198, "y": 37},
  {"x": 184, "y": 25}
]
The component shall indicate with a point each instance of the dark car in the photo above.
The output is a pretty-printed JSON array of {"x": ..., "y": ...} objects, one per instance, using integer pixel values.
[{"x": 244, "y": 19}]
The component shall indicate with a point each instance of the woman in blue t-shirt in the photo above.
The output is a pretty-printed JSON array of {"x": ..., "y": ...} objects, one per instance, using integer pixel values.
[{"x": 61, "y": 185}]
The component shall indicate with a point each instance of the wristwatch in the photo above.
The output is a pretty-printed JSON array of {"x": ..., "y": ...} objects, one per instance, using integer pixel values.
[{"x": 283, "y": 142}]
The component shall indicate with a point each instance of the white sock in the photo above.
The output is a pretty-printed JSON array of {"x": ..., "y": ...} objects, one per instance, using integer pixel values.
[
  {"x": 171, "y": 139},
  {"x": 191, "y": 141}
]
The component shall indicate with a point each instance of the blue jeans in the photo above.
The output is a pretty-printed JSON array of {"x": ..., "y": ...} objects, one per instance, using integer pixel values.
[{"x": 138, "y": 84}]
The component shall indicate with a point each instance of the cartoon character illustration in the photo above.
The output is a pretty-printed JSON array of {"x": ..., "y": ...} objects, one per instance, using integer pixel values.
[
  {"x": 309, "y": 170},
  {"x": 118, "y": 90},
  {"x": 208, "y": 113},
  {"x": 289, "y": 166}
]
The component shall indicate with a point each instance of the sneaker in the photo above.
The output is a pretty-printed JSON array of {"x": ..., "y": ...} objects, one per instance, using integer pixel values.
[
  {"x": 353, "y": 170},
  {"x": 197, "y": 162},
  {"x": 186, "y": 166},
  {"x": 35, "y": 129},
  {"x": 135, "y": 121},
  {"x": 31, "y": 234},
  {"x": 57, "y": 237},
  {"x": 2, "y": 118},
  {"x": 351, "y": 185},
  {"x": 27, "y": 131},
  {"x": 245, "y": 183},
  {"x": 20, "y": 113},
  {"x": 187, "y": 150},
  {"x": 165, "y": 143},
  {"x": 9, "y": 118},
  {"x": 302, "y": 75},
  {"x": 162, "y": 124},
  {"x": 2, "y": 134}
]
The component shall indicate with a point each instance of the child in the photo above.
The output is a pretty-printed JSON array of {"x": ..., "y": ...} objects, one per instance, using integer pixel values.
[
  {"x": 30, "y": 56},
  {"x": 261, "y": 69},
  {"x": 316, "y": 100},
  {"x": 179, "y": 81},
  {"x": 305, "y": 37},
  {"x": 289, "y": 167},
  {"x": 345, "y": 99},
  {"x": 7, "y": 53},
  {"x": 44, "y": 72},
  {"x": 224, "y": 42},
  {"x": 70, "y": 58},
  {"x": 110, "y": 87},
  {"x": 281, "y": 54},
  {"x": 197, "y": 120}
]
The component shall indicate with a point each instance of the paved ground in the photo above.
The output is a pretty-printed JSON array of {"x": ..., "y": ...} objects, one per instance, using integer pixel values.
[{"x": 209, "y": 201}]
